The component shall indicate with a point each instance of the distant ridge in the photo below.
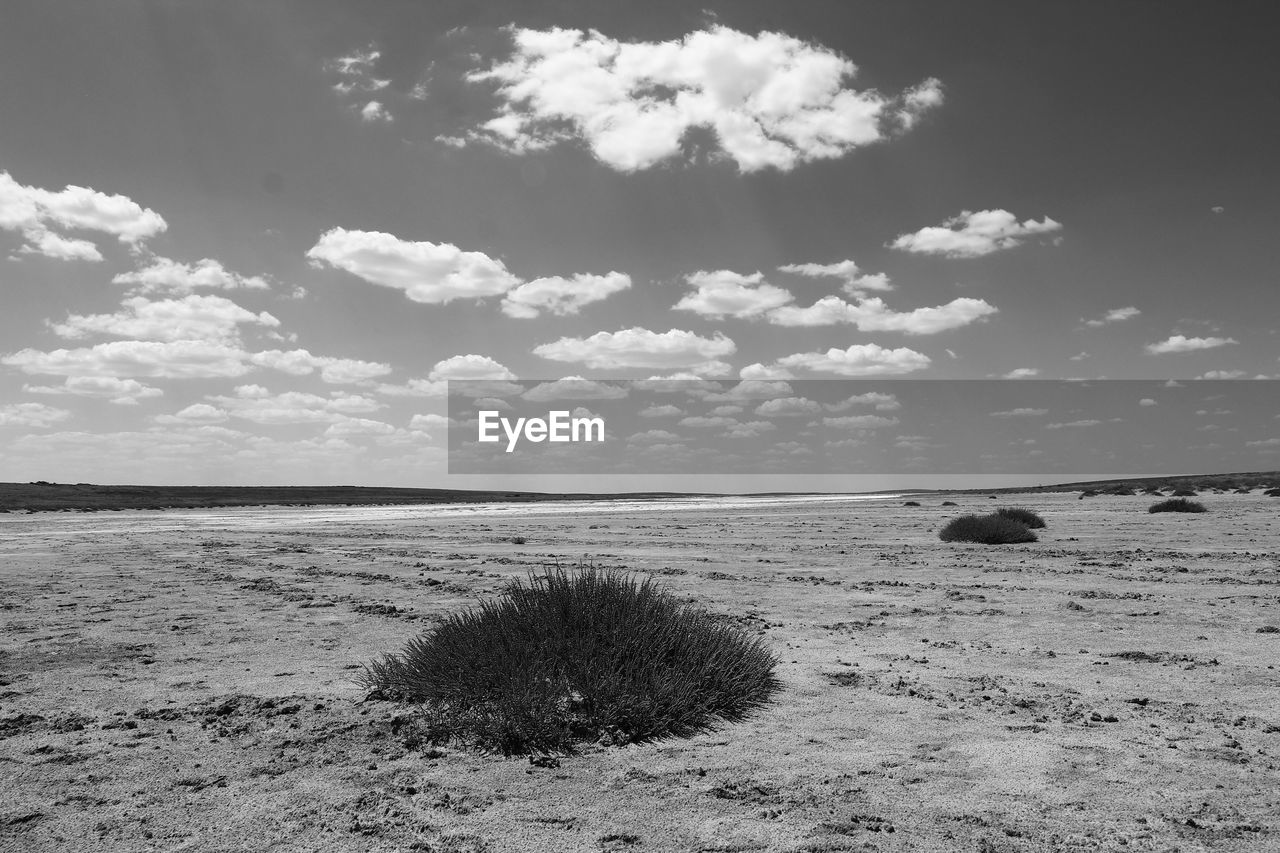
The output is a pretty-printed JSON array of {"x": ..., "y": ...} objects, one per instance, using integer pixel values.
[{"x": 43, "y": 496}]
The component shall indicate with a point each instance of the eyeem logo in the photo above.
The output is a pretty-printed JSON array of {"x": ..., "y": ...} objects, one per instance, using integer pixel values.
[{"x": 558, "y": 426}]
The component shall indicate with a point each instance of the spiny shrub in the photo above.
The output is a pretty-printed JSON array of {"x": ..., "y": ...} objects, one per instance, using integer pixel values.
[
  {"x": 949, "y": 503},
  {"x": 912, "y": 503},
  {"x": 1272, "y": 493},
  {"x": 564, "y": 658},
  {"x": 1184, "y": 493},
  {"x": 1177, "y": 505},
  {"x": 986, "y": 529},
  {"x": 1026, "y": 516},
  {"x": 1089, "y": 493}
]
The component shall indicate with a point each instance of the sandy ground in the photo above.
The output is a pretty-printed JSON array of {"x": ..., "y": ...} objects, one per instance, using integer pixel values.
[{"x": 184, "y": 681}]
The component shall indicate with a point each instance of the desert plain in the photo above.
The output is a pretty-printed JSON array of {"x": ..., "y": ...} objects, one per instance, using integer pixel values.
[{"x": 186, "y": 680}]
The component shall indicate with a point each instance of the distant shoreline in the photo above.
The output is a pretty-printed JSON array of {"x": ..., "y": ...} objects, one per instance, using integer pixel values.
[{"x": 88, "y": 497}]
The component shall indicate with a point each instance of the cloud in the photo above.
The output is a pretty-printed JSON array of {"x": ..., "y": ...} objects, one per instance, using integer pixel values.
[
  {"x": 358, "y": 427},
  {"x": 971, "y": 235},
  {"x": 748, "y": 390},
  {"x": 1072, "y": 424},
  {"x": 432, "y": 273},
  {"x": 653, "y": 435},
  {"x": 666, "y": 411},
  {"x": 855, "y": 283},
  {"x": 760, "y": 371},
  {"x": 374, "y": 111},
  {"x": 723, "y": 293},
  {"x": 1224, "y": 374},
  {"x": 1266, "y": 442},
  {"x": 336, "y": 371},
  {"x": 191, "y": 318},
  {"x": 31, "y": 415},
  {"x": 860, "y": 422},
  {"x": 1021, "y": 413},
  {"x": 356, "y": 80},
  {"x": 789, "y": 407},
  {"x": 126, "y": 392},
  {"x": 707, "y": 422},
  {"x": 197, "y": 413},
  {"x": 639, "y": 347},
  {"x": 574, "y": 388},
  {"x": 1147, "y": 401},
  {"x": 857, "y": 360},
  {"x": 34, "y": 212},
  {"x": 1115, "y": 315},
  {"x": 255, "y": 403},
  {"x": 158, "y": 359},
  {"x": 470, "y": 366},
  {"x": 427, "y": 423},
  {"x": 872, "y": 315},
  {"x": 561, "y": 296},
  {"x": 165, "y": 274},
  {"x": 882, "y": 402},
  {"x": 1180, "y": 343},
  {"x": 1022, "y": 373},
  {"x": 769, "y": 100}
]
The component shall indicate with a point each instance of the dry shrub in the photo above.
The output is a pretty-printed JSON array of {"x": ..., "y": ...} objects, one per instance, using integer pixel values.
[
  {"x": 564, "y": 658},
  {"x": 1025, "y": 516},
  {"x": 1177, "y": 505},
  {"x": 986, "y": 530}
]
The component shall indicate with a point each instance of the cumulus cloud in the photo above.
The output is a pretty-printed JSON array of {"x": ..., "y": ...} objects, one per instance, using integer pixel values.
[
  {"x": 574, "y": 388},
  {"x": 857, "y": 360},
  {"x": 31, "y": 415},
  {"x": 860, "y": 422},
  {"x": 880, "y": 401},
  {"x": 462, "y": 368},
  {"x": 769, "y": 100},
  {"x": 374, "y": 111},
  {"x": 197, "y": 413},
  {"x": 639, "y": 347},
  {"x": 789, "y": 407},
  {"x": 723, "y": 293},
  {"x": 35, "y": 213},
  {"x": 760, "y": 371},
  {"x": 1022, "y": 373},
  {"x": 1115, "y": 315},
  {"x": 1021, "y": 413},
  {"x": 432, "y": 273},
  {"x": 191, "y": 318},
  {"x": 157, "y": 359},
  {"x": 855, "y": 282},
  {"x": 872, "y": 315},
  {"x": 1089, "y": 422},
  {"x": 665, "y": 411},
  {"x": 125, "y": 392},
  {"x": 973, "y": 234},
  {"x": 167, "y": 275},
  {"x": 561, "y": 296},
  {"x": 336, "y": 371},
  {"x": 255, "y": 403},
  {"x": 1181, "y": 343}
]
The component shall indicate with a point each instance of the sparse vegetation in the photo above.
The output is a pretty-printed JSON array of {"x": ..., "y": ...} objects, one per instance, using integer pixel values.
[
  {"x": 1184, "y": 493},
  {"x": 1026, "y": 516},
  {"x": 1089, "y": 493},
  {"x": 1272, "y": 493},
  {"x": 571, "y": 657},
  {"x": 949, "y": 503},
  {"x": 990, "y": 529},
  {"x": 912, "y": 503},
  {"x": 1177, "y": 505}
]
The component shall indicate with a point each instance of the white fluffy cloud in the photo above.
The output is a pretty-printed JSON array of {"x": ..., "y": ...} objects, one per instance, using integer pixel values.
[
  {"x": 789, "y": 407},
  {"x": 357, "y": 79},
  {"x": 35, "y": 212},
  {"x": 1181, "y": 343},
  {"x": 574, "y": 388},
  {"x": 257, "y": 404},
  {"x": 972, "y": 234},
  {"x": 432, "y": 273},
  {"x": 126, "y": 392},
  {"x": 191, "y": 318},
  {"x": 855, "y": 281},
  {"x": 857, "y": 360},
  {"x": 31, "y": 415},
  {"x": 165, "y": 274},
  {"x": 770, "y": 100},
  {"x": 639, "y": 347},
  {"x": 470, "y": 366},
  {"x": 860, "y": 422},
  {"x": 336, "y": 371},
  {"x": 197, "y": 413},
  {"x": 158, "y": 359},
  {"x": 723, "y": 293},
  {"x": 561, "y": 296},
  {"x": 872, "y": 315},
  {"x": 1115, "y": 315}
]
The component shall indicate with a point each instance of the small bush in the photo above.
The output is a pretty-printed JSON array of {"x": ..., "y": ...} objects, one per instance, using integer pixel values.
[
  {"x": 1177, "y": 505},
  {"x": 1184, "y": 493},
  {"x": 1026, "y": 516},
  {"x": 912, "y": 503},
  {"x": 1272, "y": 493},
  {"x": 1089, "y": 493},
  {"x": 1152, "y": 490},
  {"x": 949, "y": 503},
  {"x": 986, "y": 530},
  {"x": 1121, "y": 490},
  {"x": 594, "y": 655}
]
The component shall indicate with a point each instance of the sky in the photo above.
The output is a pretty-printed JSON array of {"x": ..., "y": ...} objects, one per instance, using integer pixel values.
[{"x": 251, "y": 243}]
